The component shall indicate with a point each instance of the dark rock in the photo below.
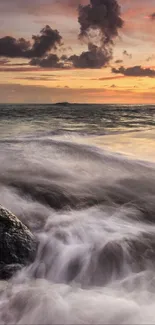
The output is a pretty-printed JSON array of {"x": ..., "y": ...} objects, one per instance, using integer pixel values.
[
  {"x": 111, "y": 257},
  {"x": 8, "y": 270},
  {"x": 74, "y": 268},
  {"x": 110, "y": 261},
  {"x": 17, "y": 244}
]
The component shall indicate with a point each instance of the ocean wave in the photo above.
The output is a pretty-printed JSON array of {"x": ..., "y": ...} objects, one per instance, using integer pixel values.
[{"x": 93, "y": 213}]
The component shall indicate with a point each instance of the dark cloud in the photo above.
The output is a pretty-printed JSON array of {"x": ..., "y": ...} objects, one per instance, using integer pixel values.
[
  {"x": 152, "y": 16},
  {"x": 95, "y": 57},
  {"x": 42, "y": 44},
  {"x": 101, "y": 15},
  {"x": 99, "y": 23},
  {"x": 64, "y": 57},
  {"x": 136, "y": 71},
  {"x": 103, "y": 18},
  {"x": 51, "y": 61},
  {"x": 10, "y": 47},
  {"x": 127, "y": 54},
  {"x": 118, "y": 61}
]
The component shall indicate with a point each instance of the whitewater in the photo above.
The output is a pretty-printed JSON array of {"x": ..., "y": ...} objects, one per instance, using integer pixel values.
[{"x": 73, "y": 178}]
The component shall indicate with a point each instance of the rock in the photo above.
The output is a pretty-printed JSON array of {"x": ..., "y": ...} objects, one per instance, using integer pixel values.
[
  {"x": 74, "y": 269},
  {"x": 17, "y": 244},
  {"x": 110, "y": 260},
  {"x": 8, "y": 270}
]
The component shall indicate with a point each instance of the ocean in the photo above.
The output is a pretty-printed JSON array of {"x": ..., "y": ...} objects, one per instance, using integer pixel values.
[{"x": 82, "y": 178}]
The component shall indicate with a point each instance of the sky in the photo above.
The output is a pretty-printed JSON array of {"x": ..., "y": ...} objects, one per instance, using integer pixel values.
[{"x": 88, "y": 51}]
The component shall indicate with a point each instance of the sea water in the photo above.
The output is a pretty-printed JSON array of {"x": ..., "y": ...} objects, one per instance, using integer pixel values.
[{"x": 82, "y": 178}]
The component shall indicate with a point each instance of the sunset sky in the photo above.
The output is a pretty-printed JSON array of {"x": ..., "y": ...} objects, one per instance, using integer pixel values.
[{"x": 90, "y": 51}]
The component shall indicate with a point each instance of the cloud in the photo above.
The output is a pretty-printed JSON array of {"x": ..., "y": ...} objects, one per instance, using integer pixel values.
[
  {"x": 127, "y": 54},
  {"x": 51, "y": 61},
  {"x": 152, "y": 16},
  {"x": 101, "y": 15},
  {"x": 118, "y": 61},
  {"x": 110, "y": 78},
  {"x": 136, "y": 71},
  {"x": 103, "y": 18},
  {"x": 99, "y": 23},
  {"x": 10, "y": 47},
  {"x": 11, "y": 64},
  {"x": 37, "y": 78},
  {"x": 95, "y": 57},
  {"x": 43, "y": 43},
  {"x": 18, "y": 69},
  {"x": 20, "y": 48},
  {"x": 107, "y": 78}
]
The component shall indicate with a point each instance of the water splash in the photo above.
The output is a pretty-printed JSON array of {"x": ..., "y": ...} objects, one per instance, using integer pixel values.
[{"x": 94, "y": 215}]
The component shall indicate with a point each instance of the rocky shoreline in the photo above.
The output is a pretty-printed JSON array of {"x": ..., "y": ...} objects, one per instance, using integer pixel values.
[{"x": 17, "y": 244}]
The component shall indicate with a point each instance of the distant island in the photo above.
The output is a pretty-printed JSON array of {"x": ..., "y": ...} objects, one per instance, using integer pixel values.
[{"x": 63, "y": 103}]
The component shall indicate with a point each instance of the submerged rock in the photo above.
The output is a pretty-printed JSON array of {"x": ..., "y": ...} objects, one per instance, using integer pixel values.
[{"x": 17, "y": 244}]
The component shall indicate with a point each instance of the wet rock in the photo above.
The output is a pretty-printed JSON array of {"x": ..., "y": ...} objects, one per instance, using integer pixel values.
[
  {"x": 17, "y": 244},
  {"x": 110, "y": 260},
  {"x": 73, "y": 269},
  {"x": 8, "y": 270}
]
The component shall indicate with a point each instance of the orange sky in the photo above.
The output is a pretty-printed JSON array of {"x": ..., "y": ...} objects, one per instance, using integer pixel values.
[{"x": 20, "y": 82}]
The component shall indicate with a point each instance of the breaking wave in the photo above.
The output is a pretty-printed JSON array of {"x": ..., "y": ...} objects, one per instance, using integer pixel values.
[{"x": 93, "y": 213}]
